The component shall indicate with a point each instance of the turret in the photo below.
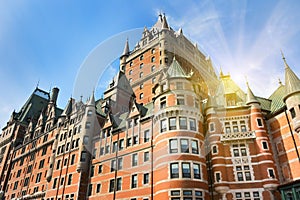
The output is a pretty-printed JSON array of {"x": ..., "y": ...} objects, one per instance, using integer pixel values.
[
  {"x": 292, "y": 98},
  {"x": 90, "y": 126}
]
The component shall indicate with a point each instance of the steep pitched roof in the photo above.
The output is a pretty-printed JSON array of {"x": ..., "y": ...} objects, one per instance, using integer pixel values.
[
  {"x": 292, "y": 82},
  {"x": 37, "y": 102},
  {"x": 277, "y": 98},
  {"x": 126, "y": 48},
  {"x": 250, "y": 96},
  {"x": 175, "y": 70}
]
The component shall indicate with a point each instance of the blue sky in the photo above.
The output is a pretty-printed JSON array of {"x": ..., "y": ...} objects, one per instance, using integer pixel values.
[{"x": 47, "y": 41}]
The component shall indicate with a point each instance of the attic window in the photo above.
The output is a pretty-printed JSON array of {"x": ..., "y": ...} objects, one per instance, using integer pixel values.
[
  {"x": 142, "y": 57},
  {"x": 293, "y": 113},
  {"x": 131, "y": 63},
  {"x": 141, "y": 65},
  {"x": 153, "y": 51}
]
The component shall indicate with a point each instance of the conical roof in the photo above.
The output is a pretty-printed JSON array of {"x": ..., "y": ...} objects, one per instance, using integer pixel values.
[
  {"x": 126, "y": 48},
  {"x": 250, "y": 98},
  {"x": 164, "y": 22},
  {"x": 292, "y": 82},
  {"x": 175, "y": 70},
  {"x": 91, "y": 101}
]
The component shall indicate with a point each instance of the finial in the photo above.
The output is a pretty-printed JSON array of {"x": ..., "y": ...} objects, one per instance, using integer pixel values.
[
  {"x": 247, "y": 83},
  {"x": 285, "y": 63},
  {"x": 221, "y": 71},
  {"x": 37, "y": 84},
  {"x": 81, "y": 98},
  {"x": 282, "y": 54},
  {"x": 279, "y": 81}
]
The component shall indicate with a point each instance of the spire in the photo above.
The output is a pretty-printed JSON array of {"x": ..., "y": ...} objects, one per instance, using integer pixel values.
[
  {"x": 180, "y": 31},
  {"x": 250, "y": 96},
  {"x": 164, "y": 23},
  {"x": 292, "y": 81},
  {"x": 92, "y": 100},
  {"x": 126, "y": 49},
  {"x": 68, "y": 109}
]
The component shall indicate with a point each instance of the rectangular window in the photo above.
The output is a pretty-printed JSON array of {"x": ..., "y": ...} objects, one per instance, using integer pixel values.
[
  {"x": 83, "y": 156},
  {"x": 147, "y": 136},
  {"x": 121, "y": 144},
  {"x": 38, "y": 177},
  {"x": 115, "y": 146},
  {"x": 195, "y": 148},
  {"x": 135, "y": 140},
  {"x": 184, "y": 145},
  {"x": 113, "y": 165},
  {"x": 182, "y": 123},
  {"x": 196, "y": 168},
  {"x": 99, "y": 169},
  {"x": 54, "y": 183},
  {"x": 265, "y": 145},
  {"x": 98, "y": 188},
  {"x": 146, "y": 178},
  {"x": 163, "y": 125},
  {"x": 134, "y": 159},
  {"x": 163, "y": 102},
  {"x": 111, "y": 185},
  {"x": 72, "y": 159},
  {"x": 146, "y": 156},
  {"x": 293, "y": 113},
  {"x": 134, "y": 181},
  {"x": 172, "y": 123},
  {"x": 173, "y": 143},
  {"x": 129, "y": 142},
  {"x": 26, "y": 181},
  {"x": 218, "y": 177},
  {"x": 120, "y": 163},
  {"x": 180, "y": 100},
  {"x": 70, "y": 179},
  {"x": 90, "y": 189},
  {"x": 271, "y": 173},
  {"x": 259, "y": 122},
  {"x": 174, "y": 170},
  {"x": 192, "y": 124},
  {"x": 119, "y": 184},
  {"x": 186, "y": 170},
  {"x": 107, "y": 149},
  {"x": 29, "y": 169},
  {"x": 211, "y": 127}
]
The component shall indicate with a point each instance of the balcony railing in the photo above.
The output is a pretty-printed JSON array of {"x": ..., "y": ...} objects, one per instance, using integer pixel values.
[{"x": 238, "y": 136}]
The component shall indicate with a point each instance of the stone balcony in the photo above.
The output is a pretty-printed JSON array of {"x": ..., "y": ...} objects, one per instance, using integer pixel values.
[{"x": 226, "y": 137}]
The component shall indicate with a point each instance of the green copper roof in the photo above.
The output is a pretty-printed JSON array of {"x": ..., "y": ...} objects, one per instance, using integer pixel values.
[
  {"x": 292, "y": 81},
  {"x": 277, "y": 98},
  {"x": 175, "y": 70}
]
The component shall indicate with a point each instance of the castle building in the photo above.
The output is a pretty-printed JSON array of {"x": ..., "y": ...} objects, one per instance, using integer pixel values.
[{"x": 167, "y": 127}]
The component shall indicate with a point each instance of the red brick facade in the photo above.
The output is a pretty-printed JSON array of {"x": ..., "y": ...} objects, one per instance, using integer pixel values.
[{"x": 166, "y": 128}]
